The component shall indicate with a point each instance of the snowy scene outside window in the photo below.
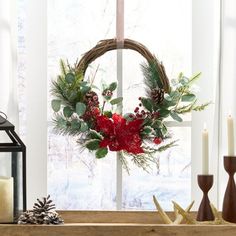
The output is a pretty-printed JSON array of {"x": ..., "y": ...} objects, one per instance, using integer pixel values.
[{"x": 76, "y": 180}]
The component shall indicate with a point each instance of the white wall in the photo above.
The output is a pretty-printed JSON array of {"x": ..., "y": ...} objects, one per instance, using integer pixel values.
[
  {"x": 205, "y": 59},
  {"x": 36, "y": 96}
]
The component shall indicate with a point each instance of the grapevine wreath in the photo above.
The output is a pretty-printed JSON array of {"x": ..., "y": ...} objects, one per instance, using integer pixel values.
[{"x": 139, "y": 134}]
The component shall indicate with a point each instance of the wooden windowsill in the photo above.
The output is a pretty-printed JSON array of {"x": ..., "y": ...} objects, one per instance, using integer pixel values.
[{"x": 115, "y": 223}]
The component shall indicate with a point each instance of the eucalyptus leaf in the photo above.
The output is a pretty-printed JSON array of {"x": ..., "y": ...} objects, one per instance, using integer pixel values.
[
  {"x": 67, "y": 112},
  {"x": 56, "y": 105},
  {"x": 108, "y": 113},
  {"x": 101, "y": 152},
  {"x": 113, "y": 86},
  {"x": 188, "y": 98},
  {"x": 157, "y": 124},
  {"x": 85, "y": 89},
  {"x": 164, "y": 112},
  {"x": 184, "y": 80},
  {"x": 168, "y": 97},
  {"x": 147, "y": 103},
  {"x": 92, "y": 144},
  {"x": 70, "y": 78},
  {"x": 75, "y": 124},
  {"x": 83, "y": 126},
  {"x": 93, "y": 134},
  {"x": 83, "y": 83},
  {"x": 176, "y": 117},
  {"x": 80, "y": 108},
  {"x": 116, "y": 100},
  {"x": 164, "y": 130}
]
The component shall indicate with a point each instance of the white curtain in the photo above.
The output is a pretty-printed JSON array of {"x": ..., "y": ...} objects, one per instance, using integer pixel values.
[
  {"x": 8, "y": 60},
  {"x": 227, "y": 81}
]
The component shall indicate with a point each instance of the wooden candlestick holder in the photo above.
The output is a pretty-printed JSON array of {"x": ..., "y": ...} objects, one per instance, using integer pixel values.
[
  {"x": 205, "y": 183},
  {"x": 229, "y": 203}
]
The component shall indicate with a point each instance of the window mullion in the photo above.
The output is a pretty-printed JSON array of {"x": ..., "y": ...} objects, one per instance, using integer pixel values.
[{"x": 120, "y": 41}]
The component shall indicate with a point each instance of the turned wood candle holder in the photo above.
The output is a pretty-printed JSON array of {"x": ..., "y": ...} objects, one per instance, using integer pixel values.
[
  {"x": 229, "y": 203},
  {"x": 205, "y": 183}
]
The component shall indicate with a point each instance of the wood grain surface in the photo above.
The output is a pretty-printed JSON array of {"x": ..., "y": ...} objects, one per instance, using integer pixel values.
[{"x": 115, "y": 223}]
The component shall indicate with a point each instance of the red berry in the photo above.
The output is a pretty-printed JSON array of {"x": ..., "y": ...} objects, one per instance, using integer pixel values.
[
  {"x": 136, "y": 109},
  {"x": 139, "y": 98},
  {"x": 157, "y": 140},
  {"x": 140, "y": 104}
]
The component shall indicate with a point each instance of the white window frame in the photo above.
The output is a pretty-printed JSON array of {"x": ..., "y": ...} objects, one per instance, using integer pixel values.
[{"x": 204, "y": 58}]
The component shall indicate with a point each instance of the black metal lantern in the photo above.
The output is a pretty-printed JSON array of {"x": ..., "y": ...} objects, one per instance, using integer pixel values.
[{"x": 12, "y": 174}]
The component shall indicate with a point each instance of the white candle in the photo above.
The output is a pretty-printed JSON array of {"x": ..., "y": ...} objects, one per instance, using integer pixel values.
[
  {"x": 205, "y": 152},
  {"x": 230, "y": 127},
  {"x": 6, "y": 200}
]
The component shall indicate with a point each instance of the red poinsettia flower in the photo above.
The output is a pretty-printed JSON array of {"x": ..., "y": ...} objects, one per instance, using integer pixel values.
[{"x": 120, "y": 134}]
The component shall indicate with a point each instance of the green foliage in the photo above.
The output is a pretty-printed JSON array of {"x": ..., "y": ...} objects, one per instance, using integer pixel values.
[
  {"x": 107, "y": 113},
  {"x": 93, "y": 134},
  {"x": 201, "y": 107},
  {"x": 92, "y": 144},
  {"x": 147, "y": 103},
  {"x": 116, "y": 101},
  {"x": 181, "y": 99},
  {"x": 147, "y": 130},
  {"x": 188, "y": 98},
  {"x": 70, "y": 104},
  {"x": 83, "y": 126},
  {"x": 151, "y": 76},
  {"x": 64, "y": 126},
  {"x": 67, "y": 112},
  {"x": 70, "y": 78},
  {"x": 175, "y": 116},
  {"x": 113, "y": 86},
  {"x": 63, "y": 68},
  {"x": 80, "y": 108},
  {"x": 101, "y": 152},
  {"x": 56, "y": 105}
]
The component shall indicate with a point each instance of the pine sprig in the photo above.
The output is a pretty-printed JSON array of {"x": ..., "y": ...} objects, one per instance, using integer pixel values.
[
  {"x": 187, "y": 108},
  {"x": 63, "y": 126},
  {"x": 202, "y": 106},
  {"x": 58, "y": 91},
  {"x": 63, "y": 68},
  {"x": 151, "y": 76}
]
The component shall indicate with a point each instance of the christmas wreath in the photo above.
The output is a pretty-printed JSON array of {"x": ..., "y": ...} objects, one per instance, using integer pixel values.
[{"x": 80, "y": 112}]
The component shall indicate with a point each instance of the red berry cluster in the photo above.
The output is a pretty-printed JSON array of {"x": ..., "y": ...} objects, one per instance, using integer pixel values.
[
  {"x": 91, "y": 100},
  {"x": 140, "y": 113}
]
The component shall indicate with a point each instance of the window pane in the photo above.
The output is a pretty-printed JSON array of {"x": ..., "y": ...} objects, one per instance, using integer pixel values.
[
  {"x": 168, "y": 180},
  {"x": 166, "y": 31},
  {"x": 76, "y": 180}
]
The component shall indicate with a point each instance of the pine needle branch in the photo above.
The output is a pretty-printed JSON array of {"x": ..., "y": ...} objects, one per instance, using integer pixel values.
[
  {"x": 202, "y": 106},
  {"x": 63, "y": 126}
]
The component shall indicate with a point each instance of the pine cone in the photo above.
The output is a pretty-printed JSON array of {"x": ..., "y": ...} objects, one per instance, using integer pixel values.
[
  {"x": 53, "y": 218},
  {"x": 43, "y": 206},
  {"x": 157, "y": 95},
  {"x": 27, "y": 217},
  {"x": 43, "y": 213}
]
